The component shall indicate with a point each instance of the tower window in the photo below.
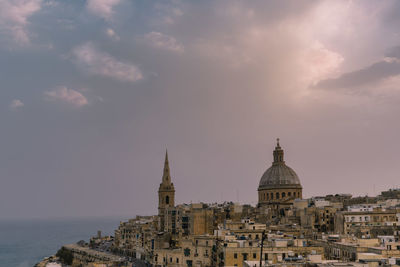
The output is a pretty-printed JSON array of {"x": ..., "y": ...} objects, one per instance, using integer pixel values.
[{"x": 167, "y": 200}]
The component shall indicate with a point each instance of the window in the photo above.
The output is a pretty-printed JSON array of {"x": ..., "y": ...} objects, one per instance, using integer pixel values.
[
  {"x": 277, "y": 195},
  {"x": 177, "y": 260},
  {"x": 283, "y": 194},
  {"x": 235, "y": 255},
  {"x": 254, "y": 255},
  {"x": 187, "y": 252},
  {"x": 244, "y": 256},
  {"x": 272, "y": 196},
  {"x": 289, "y": 194},
  {"x": 167, "y": 200}
]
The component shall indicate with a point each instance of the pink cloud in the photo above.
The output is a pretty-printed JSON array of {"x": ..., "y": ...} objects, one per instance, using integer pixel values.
[{"x": 69, "y": 96}]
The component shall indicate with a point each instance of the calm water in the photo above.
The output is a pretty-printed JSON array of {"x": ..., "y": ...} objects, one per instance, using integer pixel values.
[{"x": 24, "y": 243}]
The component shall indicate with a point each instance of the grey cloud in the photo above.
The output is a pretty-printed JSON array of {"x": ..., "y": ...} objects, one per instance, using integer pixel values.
[
  {"x": 388, "y": 67},
  {"x": 370, "y": 74},
  {"x": 394, "y": 52},
  {"x": 97, "y": 62}
]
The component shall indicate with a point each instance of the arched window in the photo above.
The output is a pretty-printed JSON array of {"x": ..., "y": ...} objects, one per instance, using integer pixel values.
[
  {"x": 264, "y": 196},
  {"x": 289, "y": 194},
  {"x": 167, "y": 200},
  {"x": 267, "y": 196},
  {"x": 277, "y": 195},
  {"x": 272, "y": 195},
  {"x": 283, "y": 194}
]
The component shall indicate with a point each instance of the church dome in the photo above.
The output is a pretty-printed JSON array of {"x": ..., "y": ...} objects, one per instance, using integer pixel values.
[{"x": 279, "y": 175}]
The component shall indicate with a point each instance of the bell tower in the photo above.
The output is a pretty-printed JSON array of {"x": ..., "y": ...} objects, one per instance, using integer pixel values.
[{"x": 166, "y": 193}]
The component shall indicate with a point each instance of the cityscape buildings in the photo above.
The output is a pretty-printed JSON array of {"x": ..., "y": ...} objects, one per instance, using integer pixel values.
[{"x": 282, "y": 230}]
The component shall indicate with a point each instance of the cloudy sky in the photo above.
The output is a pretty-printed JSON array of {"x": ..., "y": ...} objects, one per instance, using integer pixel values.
[{"x": 92, "y": 92}]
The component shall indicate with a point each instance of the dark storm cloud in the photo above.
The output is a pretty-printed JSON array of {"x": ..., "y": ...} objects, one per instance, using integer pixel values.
[
  {"x": 394, "y": 52},
  {"x": 369, "y": 75}
]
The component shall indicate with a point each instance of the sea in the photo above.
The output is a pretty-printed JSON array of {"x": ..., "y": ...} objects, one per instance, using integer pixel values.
[{"x": 23, "y": 243}]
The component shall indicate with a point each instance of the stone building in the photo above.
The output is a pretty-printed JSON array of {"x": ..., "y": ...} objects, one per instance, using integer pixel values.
[
  {"x": 235, "y": 252},
  {"x": 193, "y": 251},
  {"x": 279, "y": 186},
  {"x": 367, "y": 223}
]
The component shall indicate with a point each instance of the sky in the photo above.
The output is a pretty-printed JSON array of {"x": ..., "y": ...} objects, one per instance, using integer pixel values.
[{"x": 92, "y": 93}]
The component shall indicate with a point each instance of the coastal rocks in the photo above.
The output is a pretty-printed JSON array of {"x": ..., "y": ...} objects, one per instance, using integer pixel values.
[{"x": 52, "y": 261}]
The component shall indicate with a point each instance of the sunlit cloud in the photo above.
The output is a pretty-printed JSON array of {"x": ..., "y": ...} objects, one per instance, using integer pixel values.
[
  {"x": 16, "y": 104},
  {"x": 163, "y": 41},
  {"x": 14, "y": 18},
  {"x": 66, "y": 95},
  {"x": 112, "y": 34},
  {"x": 93, "y": 61},
  {"x": 168, "y": 12},
  {"x": 320, "y": 63},
  {"x": 102, "y": 8}
]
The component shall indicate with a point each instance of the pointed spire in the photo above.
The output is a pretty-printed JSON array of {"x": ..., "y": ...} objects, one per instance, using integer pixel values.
[
  {"x": 166, "y": 158},
  {"x": 277, "y": 142},
  {"x": 166, "y": 175}
]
